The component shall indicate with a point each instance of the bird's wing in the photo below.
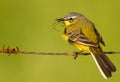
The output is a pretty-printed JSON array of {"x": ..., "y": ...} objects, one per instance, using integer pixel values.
[
  {"x": 99, "y": 36},
  {"x": 80, "y": 38}
]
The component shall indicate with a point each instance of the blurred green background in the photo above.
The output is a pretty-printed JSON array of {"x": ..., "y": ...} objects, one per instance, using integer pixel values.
[{"x": 28, "y": 25}]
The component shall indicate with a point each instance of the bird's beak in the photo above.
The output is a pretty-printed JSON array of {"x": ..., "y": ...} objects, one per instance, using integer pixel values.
[
  {"x": 56, "y": 22},
  {"x": 60, "y": 19}
]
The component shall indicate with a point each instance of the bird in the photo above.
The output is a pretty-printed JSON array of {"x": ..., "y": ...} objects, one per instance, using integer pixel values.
[{"x": 80, "y": 32}]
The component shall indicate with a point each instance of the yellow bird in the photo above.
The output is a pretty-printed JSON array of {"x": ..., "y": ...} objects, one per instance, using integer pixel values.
[{"x": 81, "y": 32}]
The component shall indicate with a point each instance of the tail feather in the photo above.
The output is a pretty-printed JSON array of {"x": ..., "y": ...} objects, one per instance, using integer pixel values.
[{"x": 103, "y": 63}]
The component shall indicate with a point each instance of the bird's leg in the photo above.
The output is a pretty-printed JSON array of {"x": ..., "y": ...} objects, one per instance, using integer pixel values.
[{"x": 76, "y": 54}]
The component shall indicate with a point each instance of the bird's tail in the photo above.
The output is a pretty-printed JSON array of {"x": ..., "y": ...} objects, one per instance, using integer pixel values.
[{"x": 103, "y": 63}]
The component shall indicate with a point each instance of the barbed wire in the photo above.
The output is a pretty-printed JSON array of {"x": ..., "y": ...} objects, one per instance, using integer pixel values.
[{"x": 16, "y": 50}]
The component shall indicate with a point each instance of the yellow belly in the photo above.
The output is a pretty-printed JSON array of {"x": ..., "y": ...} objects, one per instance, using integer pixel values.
[
  {"x": 81, "y": 47},
  {"x": 78, "y": 46}
]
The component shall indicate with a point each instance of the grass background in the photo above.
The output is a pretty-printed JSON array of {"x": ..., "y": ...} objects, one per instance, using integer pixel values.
[{"x": 27, "y": 24}]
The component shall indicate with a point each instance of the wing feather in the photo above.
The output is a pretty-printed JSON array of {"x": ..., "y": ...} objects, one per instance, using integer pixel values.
[{"x": 81, "y": 39}]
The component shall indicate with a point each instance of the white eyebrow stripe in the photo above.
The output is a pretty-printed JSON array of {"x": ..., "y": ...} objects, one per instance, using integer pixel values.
[{"x": 74, "y": 16}]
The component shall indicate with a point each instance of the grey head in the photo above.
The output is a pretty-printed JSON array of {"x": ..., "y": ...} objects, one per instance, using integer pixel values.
[
  {"x": 73, "y": 15},
  {"x": 70, "y": 17}
]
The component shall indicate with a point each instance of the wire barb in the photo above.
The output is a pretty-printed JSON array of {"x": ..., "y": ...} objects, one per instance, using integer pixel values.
[{"x": 10, "y": 51}]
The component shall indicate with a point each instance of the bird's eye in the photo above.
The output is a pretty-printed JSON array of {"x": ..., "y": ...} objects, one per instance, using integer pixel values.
[{"x": 70, "y": 18}]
